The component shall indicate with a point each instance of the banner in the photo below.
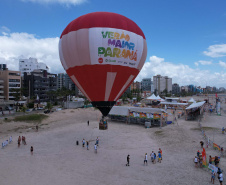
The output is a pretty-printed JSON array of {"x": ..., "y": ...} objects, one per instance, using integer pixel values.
[
  {"x": 212, "y": 167},
  {"x": 145, "y": 115},
  {"x": 216, "y": 147}
]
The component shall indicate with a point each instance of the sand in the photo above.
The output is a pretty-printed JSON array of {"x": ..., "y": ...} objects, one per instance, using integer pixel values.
[{"x": 58, "y": 160}]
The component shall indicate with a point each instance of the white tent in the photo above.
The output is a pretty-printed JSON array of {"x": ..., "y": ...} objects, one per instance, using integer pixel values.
[
  {"x": 192, "y": 100},
  {"x": 159, "y": 98},
  {"x": 196, "y": 105},
  {"x": 152, "y": 97}
]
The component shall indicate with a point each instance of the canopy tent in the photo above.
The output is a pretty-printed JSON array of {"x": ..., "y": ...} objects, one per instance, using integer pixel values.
[
  {"x": 193, "y": 111},
  {"x": 152, "y": 97},
  {"x": 192, "y": 100},
  {"x": 124, "y": 111},
  {"x": 196, "y": 105},
  {"x": 159, "y": 98}
]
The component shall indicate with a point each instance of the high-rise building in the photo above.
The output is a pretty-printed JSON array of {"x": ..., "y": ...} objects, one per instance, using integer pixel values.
[
  {"x": 63, "y": 80},
  {"x": 9, "y": 80},
  {"x": 161, "y": 83},
  {"x": 175, "y": 88},
  {"x": 146, "y": 84},
  {"x": 135, "y": 86},
  {"x": 31, "y": 64},
  {"x": 39, "y": 83}
]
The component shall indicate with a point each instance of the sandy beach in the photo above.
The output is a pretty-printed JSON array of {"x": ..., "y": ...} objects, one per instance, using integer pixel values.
[{"x": 58, "y": 160}]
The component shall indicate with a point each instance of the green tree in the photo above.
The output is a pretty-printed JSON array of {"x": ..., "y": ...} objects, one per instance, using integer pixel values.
[{"x": 49, "y": 106}]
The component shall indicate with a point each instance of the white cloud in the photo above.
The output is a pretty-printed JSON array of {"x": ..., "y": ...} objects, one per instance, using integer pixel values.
[
  {"x": 222, "y": 64},
  {"x": 66, "y": 2},
  {"x": 203, "y": 62},
  {"x": 180, "y": 73},
  {"x": 196, "y": 64},
  {"x": 15, "y": 46},
  {"x": 216, "y": 50}
]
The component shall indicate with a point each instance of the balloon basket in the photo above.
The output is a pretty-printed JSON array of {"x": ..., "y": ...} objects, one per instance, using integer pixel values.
[{"x": 103, "y": 125}]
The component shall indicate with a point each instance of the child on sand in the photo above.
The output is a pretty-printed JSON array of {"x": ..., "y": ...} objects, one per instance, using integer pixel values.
[
  {"x": 159, "y": 157},
  {"x": 146, "y": 159},
  {"x": 196, "y": 161},
  {"x": 128, "y": 158},
  {"x": 31, "y": 150},
  {"x": 83, "y": 142}
]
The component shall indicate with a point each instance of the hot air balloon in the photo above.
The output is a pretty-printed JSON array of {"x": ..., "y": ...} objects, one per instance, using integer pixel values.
[{"x": 102, "y": 52}]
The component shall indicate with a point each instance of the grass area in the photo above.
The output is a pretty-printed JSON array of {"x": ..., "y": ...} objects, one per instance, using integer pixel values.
[
  {"x": 205, "y": 128},
  {"x": 159, "y": 132},
  {"x": 31, "y": 118}
]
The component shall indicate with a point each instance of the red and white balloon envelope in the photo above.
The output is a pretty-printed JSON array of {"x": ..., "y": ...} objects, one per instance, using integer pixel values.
[{"x": 102, "y": 52}]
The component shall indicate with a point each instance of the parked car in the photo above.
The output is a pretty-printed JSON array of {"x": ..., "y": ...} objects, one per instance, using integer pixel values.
[
  {"x": 40, "y": 108},
  {"x": 47, "y": 111},
  {"x": 8, "y": 108}
]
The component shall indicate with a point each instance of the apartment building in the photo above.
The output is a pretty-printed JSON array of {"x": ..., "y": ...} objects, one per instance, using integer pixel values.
[
  {"x": 161, "y": 83},
  {"x": 39, "y": 83},
  {"x": 8, "y": 80},
  {"x": 31, "y": 64}
]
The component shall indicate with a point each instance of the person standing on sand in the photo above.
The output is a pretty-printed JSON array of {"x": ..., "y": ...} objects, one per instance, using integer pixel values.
[
  {"x": 210, "y": 160},
  {"x": 88, "y": 122},
  {"x": 95, "y": 148},
  {"x": 128, "y": 158},
  {"x": 83, "y": 142},
  {"x": 160, "y": 152},
  {"x": 32, "y": 149},
  {"x": 196, "y": 161},
  {"x": 146, "y": 159},
  {"x": 152, "y": 157},
  {"x": 201, "y": 143},
  {"x": 19, "y": 140},
  {"x": 212, "y": 176},
  {"x": 220, "y": 177},
  {"x": 87, "y": 145}
]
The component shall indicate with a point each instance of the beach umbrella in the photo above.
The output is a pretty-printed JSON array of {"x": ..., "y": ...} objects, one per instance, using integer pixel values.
[{"x": 102, "y": 52}]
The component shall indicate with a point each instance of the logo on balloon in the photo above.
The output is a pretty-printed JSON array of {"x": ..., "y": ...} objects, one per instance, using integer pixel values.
[{"x": 100, "y": 60}]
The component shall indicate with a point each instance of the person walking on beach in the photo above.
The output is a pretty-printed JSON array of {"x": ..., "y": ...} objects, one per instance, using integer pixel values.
[
  {"x": 83, "y": 142},
  {"x": 97, "y": 141},
  {"x": 146, "y": 159},
  {"x": 154, "y": 158},
  {"x": 87, "y": 145},
  {"x": 88, "y": 122},
  {"x": 32, "y": 149},
  {"x": 212, "y": 176},
  {"x": 95, "y": 148},
  {"x": 128, "y": 158},
  {"x": 159, "y": 157},
  {"x": 223, "y": 130}
]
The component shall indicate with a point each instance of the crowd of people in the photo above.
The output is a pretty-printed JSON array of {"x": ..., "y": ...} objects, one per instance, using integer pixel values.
[
  {"x": 84, "y": 142},
  {"x": 153, "y": 157},
  {"x": 7, "y": 141}
]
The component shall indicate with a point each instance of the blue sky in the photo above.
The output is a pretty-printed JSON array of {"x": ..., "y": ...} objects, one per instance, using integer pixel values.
[{"x": 186, "y": 39}]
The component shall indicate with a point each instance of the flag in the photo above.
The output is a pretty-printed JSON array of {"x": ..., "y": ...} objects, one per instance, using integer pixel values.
[{"x": 204, "y": 163}]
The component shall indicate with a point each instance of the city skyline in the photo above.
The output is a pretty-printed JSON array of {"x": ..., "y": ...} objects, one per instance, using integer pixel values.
[{"x": 186, "y": 40}]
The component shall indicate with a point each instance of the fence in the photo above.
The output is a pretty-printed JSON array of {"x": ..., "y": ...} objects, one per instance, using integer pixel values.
[{"x": 208, "y": 140}]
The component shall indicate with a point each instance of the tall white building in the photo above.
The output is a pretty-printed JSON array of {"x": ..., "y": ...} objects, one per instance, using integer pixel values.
[
  {"x": 31, "y": 64},
  {"x": 161, "y": 83}
]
